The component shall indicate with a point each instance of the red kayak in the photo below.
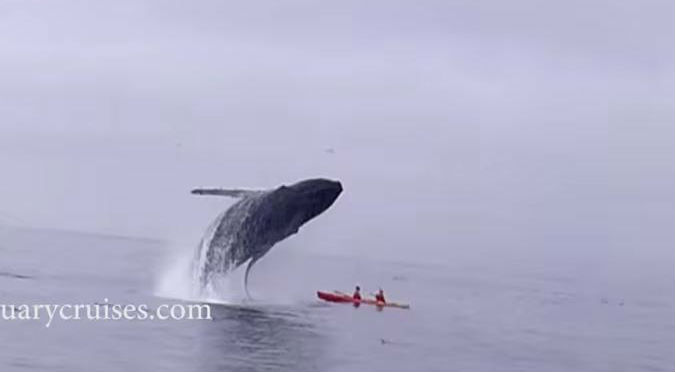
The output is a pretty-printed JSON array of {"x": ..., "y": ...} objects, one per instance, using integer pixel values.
[{"x": 345, "y": 298}]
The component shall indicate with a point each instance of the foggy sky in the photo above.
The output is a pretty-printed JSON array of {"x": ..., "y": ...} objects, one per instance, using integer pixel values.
[{"x": 455, "y": 126}]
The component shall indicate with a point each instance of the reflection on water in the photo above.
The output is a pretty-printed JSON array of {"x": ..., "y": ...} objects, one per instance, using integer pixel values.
[{"x": 253, "y": 339}]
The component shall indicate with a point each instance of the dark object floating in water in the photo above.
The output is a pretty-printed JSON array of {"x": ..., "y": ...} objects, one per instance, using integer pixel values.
[{"x": 15, "y": 276}]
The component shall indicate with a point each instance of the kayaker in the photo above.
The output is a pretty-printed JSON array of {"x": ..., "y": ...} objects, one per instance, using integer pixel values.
[
  {"x": 379, "y": 297},
  {"x": 357, "y": 293}
]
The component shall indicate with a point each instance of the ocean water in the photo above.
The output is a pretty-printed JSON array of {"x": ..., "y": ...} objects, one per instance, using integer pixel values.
[{"x": 464, "y": 316}]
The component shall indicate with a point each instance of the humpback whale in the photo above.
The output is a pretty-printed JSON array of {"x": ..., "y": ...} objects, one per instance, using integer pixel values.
[{"x": 249, "y": 228}]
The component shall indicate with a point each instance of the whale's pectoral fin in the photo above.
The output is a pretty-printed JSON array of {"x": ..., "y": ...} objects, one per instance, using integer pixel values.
[
  {"x": 235, "y": 193},
  {"x": 248, "y": 270}
]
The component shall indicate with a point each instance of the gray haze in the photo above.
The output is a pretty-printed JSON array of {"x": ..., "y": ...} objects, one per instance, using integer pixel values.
[{"x": 467, "y": 128}]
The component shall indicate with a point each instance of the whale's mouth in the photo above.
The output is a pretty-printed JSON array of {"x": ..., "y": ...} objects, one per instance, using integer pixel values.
[
  {"x": 314, "y": 196},
  {"x": 330, "y": 190},
  {"x": 318, "y": 189},
  {"x": 336, "y": 188},
  {"x": 318, "y": 185}
]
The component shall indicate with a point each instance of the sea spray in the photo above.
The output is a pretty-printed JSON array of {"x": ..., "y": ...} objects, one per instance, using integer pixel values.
[{"x": 176, "y": 279}]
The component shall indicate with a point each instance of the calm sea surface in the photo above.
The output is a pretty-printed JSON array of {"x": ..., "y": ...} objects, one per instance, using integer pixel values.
[{"x": 463, "y": 317}]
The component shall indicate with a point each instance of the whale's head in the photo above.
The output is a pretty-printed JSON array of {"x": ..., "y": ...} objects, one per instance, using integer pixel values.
[{"x": 307, "y": 199}]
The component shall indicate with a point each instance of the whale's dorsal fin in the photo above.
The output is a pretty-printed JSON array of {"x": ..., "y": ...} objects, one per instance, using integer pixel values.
[{"x": 235, "y": 193}]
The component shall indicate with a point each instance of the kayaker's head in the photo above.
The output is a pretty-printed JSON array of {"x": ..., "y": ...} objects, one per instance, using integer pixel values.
[{"x": 358, "y": 288}]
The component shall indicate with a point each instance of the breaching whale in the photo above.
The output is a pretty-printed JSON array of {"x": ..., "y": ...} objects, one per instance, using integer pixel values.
[{"x": 249, "y": 228}]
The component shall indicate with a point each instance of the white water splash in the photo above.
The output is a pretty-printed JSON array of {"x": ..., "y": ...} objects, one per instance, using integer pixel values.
[{"x": 176, "y": 279}]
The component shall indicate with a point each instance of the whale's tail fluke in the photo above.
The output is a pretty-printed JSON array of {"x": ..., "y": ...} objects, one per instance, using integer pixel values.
[{"x": 234, "y": 193}]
